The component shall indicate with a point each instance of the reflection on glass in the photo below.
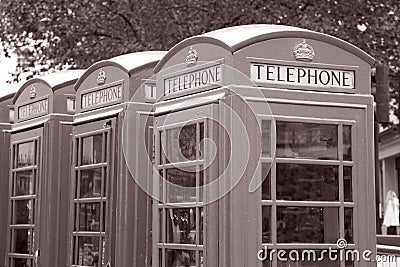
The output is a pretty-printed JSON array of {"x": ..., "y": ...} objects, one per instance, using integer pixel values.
[
  {"x": 181, "y": 144},
  {"x": 26, "y": 154},
  {"x": 90, "y": 183},
  {"x": 22, "y": 211},
  {"x": 307, "y": 182},
  {"x": 201, "y": 184},
  {"x": 266, "y": 138},
  {"x": 266, "y": 182},
  {"x": 181, "y": 226},
  {"x": 201, "y": 139},
  {"x": 22, "y": 241},
  {"x": 309, "y": 258},
  {"x": 266, "y": 224},
  {"x": 181, "y": 258},
  {"x": 89, "y": 217},
  {"x": 347, "y": 142},
  {"x": 88, "y": 251},
  {"x": 348, "y": 224},
  {"x": 184, "y": 185},
  {"x": 92, "y": 149},
  {"x": 201, "y": 227},
  {"x": 307, "y": 224},
  {"x": 347, "y": 183},
  {"x": 306, "y": 140},
  {"x": 25, "y": 183}
]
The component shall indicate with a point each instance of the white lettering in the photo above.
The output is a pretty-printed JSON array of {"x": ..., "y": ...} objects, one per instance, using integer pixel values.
[{"x": 104, "y": 96}]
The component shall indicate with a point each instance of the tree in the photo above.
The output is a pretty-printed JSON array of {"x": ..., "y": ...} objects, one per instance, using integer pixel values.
[{"x": 77, "y": 33}]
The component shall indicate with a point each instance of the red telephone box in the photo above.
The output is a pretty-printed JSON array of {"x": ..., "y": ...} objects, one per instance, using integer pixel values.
[
  {"x": 110, "y": 215},
  {"x": 263, "y": 147},
  {"x": 5, "y": 126},
  {"x": 39, "y": 171}
]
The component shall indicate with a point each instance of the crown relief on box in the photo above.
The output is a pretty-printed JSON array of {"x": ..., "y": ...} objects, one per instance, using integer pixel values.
[
  {"x": 32, "y": 92},
  {"x": 191, "y": 57},
  {"x": 101, "y": 77},
  {"x": 303, "y": 51}
]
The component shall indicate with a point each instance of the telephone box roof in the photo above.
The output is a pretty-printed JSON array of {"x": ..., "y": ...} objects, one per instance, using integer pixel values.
[
  {"x": 128, "y": 63},
  {"x": 238, "y": 37},
  {"x": 54, "y": 80}
]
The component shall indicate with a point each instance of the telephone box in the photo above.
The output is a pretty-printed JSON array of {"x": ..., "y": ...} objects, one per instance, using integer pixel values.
[
  {"x": 5, "y": 126},
  {"x": 109, "y": 214},
  {"x": 263, "y": 150},
  {"x": 39, "y": 170}
]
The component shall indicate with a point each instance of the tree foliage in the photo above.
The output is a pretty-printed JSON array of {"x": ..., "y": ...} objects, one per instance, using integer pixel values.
[{"x": 77, "y": 33}]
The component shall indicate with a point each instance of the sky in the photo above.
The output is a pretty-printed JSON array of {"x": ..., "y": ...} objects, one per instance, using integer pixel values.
[{"x": 7, "y": 65}]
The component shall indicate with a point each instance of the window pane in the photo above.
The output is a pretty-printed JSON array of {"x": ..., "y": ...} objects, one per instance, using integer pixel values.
[
  {"x": 25, "y": 183},
  {"x": 22, "y": 262},
  {"x": 347, "y": 183},
  {"x": 201, "y": 227},
  {"x": 307, "y": 224},
  {"x": 92, "y": 148},
  {"x": 88, "y": 251},
  {"x": 306, "y": 140},
  {"x": 23, "y": 210},
  {"x": 266, "y": 182},
  {"x": 90, "y": 183},
  {"x": 22, "y": 241},
  {"x": 347, "y": 142},
  {"x": 307, "y": 182},
  {"x": 25, "y": 154},
  {"x": 181, "y": 144},
  {"x": 184, "y": 185},
  {"x": 348, "y": 224},
  {"x": 201, "y": 139},
  {"x": 181, "y": 226},
  {"x": 266, "y": 138},
  {"x": 89, "y": 217},
  {"x": 266, "y": 224},
  {"x": 175, "y": 257}
]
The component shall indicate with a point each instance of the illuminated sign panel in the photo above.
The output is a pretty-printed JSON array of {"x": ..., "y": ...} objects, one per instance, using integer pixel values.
[
  {"x": 102, "y": 97},
  {"x": 193, "y": 80},
  {"x": 305, "y": 76},
  {"x": 34, "y": 109}
]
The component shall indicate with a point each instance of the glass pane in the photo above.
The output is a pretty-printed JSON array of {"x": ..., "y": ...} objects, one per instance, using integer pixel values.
[
  {"x": 201, "y": 184},
  {"x": 201, "y": 139},
  {"x": 22, "y": 241},
  {"x": 181, "y": 144},
  {"x": 348, "y": 225},
  {"x": 306, "y": 140},
  {"x": 201, "y": 227},
  {"x": 23, "y": 210},
  {"x": 89, "y": 217},
  {"x": 309, "y": 258},
  {"x": 88, "y": 251},
  {"x": 90, "y": 183},
  {"x": 347, "y": 142},
  {"x": 180, "y": 258},
  {"x": 25, "y": 154},
  {"x": 305, "y": 182},
  {"x": 181, "y": 226},
  {"x": 92, "y": 148},
  {"x": 266, "y": 183},
  {"x": 201, "y": 259},
  {"x": 266, "y": 138},
  {"x": 22, "y": 262},
  {"x": 25, "y": 183},
  {"x": 266, "y": 224},
  {"x": 347, "y": 183},
  {"x": 307, "y": 224},
  {"x": 184, "y": 185}
]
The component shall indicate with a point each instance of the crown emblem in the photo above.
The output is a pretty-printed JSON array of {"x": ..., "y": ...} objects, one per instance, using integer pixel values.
[
  {"x": 191, "y": 57},
  {"x": 101, "y": 78},
  {"x": 32, "y": 92},
  {"x": 303, "y": 51}
]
